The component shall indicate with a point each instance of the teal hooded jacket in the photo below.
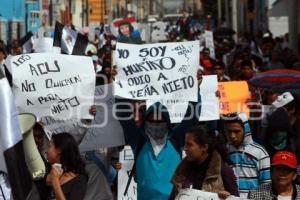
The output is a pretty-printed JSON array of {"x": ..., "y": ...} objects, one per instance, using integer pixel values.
[{"x": 154, "y": 173}]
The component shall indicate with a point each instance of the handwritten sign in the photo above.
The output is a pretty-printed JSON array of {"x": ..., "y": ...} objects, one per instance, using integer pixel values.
[
  {"x": 234, "y": 96},
  {"x": 55, "y": 126},
  {"x": 210, "y": 109},
  {"x": 209, "y": 43},
  {"x": 127, "y": 160},
  {"x": 157, "y": 71},
  {"x": 158, "y": 31},
  {"x": 56, "y": 85},
  {"x": 106, "y": 130},
  {"x": 209, "y": 102},
  {"x": 192, "y": 194}
]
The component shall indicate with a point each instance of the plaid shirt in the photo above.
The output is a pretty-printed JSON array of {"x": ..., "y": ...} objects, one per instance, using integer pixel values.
[{"x": 265, "y": 192}]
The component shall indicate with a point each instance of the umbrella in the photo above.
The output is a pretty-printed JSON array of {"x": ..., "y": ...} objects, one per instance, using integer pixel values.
[{"x": 279, "y": 78}]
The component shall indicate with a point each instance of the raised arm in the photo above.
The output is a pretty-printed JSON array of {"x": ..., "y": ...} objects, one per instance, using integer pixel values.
[{"x": 124, "y": 113}]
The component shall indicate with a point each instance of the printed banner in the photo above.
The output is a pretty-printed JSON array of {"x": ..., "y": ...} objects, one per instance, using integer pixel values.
[
  {"x": 56, "y": 85},
  {"x": 157, "y": 71}
]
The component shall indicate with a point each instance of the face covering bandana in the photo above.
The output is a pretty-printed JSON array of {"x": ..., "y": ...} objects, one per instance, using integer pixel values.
[{"x": 157, "y": 133}]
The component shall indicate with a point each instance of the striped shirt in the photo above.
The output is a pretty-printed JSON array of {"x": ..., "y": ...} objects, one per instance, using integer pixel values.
[{"x": 250, "y": 163}]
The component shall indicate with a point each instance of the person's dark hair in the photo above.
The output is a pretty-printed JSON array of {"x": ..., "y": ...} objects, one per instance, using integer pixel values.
[
  {"x": 2, "y": 49},
  {"x": 70, "y": 156},
  {"x": 131, "y": 29},
  {"x": 202, "y": 137},
  {"x": 219, "y": 63},
  {"x": 233, "y": 118},
  {"x": 221, "y": 142},
  {"x": 246, "y": 63},
  {"x": 278, "y": 121}
]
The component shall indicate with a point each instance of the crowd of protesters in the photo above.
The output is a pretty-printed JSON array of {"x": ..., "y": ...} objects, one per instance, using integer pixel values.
[{"x": 253, "y": 158}]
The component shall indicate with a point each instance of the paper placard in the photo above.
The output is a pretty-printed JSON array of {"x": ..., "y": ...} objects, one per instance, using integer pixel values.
[
  {"x": 56, "y": 85},
  {"x": 157, "y": 71}
]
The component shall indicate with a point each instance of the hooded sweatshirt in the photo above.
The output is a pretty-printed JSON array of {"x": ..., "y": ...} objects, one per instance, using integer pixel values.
[
  {"x": 250, "y": 161},
  {"x": 154, "y": 171}
]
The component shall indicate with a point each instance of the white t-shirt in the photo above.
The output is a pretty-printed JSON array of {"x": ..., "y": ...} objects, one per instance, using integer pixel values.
[{"x": 279, "y": 197}]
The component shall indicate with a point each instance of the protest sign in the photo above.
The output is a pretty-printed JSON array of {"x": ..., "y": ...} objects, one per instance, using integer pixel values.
[
  {"x": 43, "y": 45},
  {"x": 176, "y": 108},
  {"x": 105, "y": 131},
  {"x": 127, "y": 160},
  {"x": 56, "y": 85},
  {"x": 158, "y": 31},
  {"x": 157, "y": 71},
  {"x": 234, "y": 96},
  {"x": 7, "y": 63},
  {"x": 55, "y": 126},
  {"x": 192, "y": 194},
  {"x": 68, "y": 39},
  {"x": 209, "y": 102},
  {"x": 209, "y": 43}
]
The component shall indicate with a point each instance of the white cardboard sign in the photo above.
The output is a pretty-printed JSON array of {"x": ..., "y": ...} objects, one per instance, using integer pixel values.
[
  {"x": 157, "y": 71},
  {"x": 56, "y": 85}
]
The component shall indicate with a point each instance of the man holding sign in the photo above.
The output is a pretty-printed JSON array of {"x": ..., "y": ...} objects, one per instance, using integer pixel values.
[{"x": 156, "y": 145}]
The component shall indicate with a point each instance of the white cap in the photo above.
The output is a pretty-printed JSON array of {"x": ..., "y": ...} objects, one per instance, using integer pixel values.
[{"x": 283, "y": 99}]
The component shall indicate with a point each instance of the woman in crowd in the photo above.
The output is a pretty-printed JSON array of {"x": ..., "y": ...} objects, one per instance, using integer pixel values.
[
  {"x": 70, "y": 180},
  {"x": 203, "y": 167}
]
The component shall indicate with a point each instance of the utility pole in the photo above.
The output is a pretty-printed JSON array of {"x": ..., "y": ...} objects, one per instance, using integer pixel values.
[
  {"x": 234, "y": 18},
  {"x": 219, "y": 12},
  {"x": 227, "y": 13},
  {"x": 87, "y": 11},
  {"x": 293, "y": 25},
  {"x": 51, "y": 13},
  {"x": 26, "y": 16}
]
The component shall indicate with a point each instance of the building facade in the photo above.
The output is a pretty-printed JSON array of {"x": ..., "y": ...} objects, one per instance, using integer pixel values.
[
  {"x": 12, "y": 19},
  {"x": 33, "y": 15}
]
